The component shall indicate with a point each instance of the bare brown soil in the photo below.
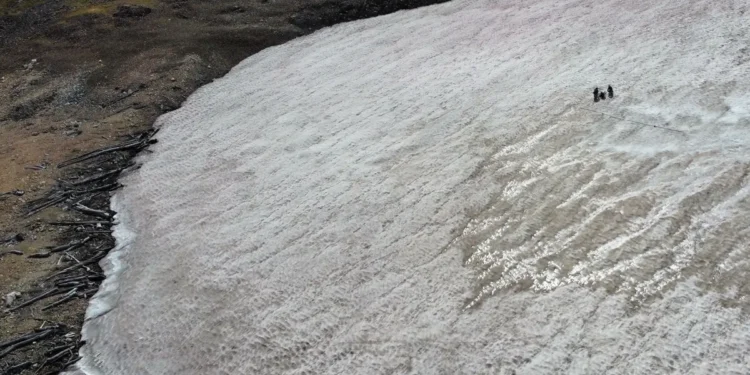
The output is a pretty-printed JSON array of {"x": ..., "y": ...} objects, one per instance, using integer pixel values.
[{"x": 76, "y": 76}]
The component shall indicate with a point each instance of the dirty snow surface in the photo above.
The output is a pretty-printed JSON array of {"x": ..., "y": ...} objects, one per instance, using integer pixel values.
[{"x": 435, "y": 191}]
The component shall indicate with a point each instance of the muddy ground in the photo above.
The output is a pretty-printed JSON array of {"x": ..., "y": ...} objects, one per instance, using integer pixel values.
[{"x": 77, "y": 76}]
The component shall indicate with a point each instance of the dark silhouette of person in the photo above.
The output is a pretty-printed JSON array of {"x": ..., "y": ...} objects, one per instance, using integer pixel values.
[
  {"x": 602, "y": 95},
  {"x": 610, "y": 91},
  {"x": 596, "y": 94}
]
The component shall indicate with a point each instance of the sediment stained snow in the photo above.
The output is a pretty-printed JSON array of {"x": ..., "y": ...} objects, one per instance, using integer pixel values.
[{"x": 434, "y": 191}]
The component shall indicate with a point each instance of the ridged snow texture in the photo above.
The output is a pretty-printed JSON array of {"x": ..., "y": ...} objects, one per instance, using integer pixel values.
[{"x": 435, "y": 191}]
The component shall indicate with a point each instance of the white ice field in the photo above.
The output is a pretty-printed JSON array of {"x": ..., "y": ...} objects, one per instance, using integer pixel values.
[{"x": 435, "y": 192}]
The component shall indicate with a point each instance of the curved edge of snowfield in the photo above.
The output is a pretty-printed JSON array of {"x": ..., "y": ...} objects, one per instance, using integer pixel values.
[{"x": 434, "y": 191}]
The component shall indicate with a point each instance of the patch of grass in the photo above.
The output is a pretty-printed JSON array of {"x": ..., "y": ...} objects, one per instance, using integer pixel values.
[
  {"x": 78, "y": 7},
  {"x": 15, "y": 7},
  {"x": 94, "y": 9},
  {"x": 85, "y": 7}
]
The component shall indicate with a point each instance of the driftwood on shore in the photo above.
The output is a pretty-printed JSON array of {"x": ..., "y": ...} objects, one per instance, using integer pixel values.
[
  {"x": 75, "y": 223},
  {"x": 40, "y": 255},
  {"x": 67, "y": 297},
  {"x": 139, "y": 144},
  {"x": 99, "y": 176},
  {"x": 83, "y": 194},
  {"x": 76, "y": 286},
  {"x": 88, "y": 241},
  {"x": 66, "y": 349},
  {"x": 27, "y": 339},
  {"x": 93, "y": 212},
  {"x": 19, "y": 367},
  {"x": 88, "y": 277},
  {"x": 76, "y": 191},
  {"x": 96, "y": 258},
  {"x": 14, "y": 252},
  {"x": 50, "y": 293},
  {"x": 49, "y": 202},
  {"x": 69, "y": 246}
]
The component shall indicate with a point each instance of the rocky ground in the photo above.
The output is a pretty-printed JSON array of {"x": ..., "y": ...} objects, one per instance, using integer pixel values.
[{"x": 78, "y": 76}]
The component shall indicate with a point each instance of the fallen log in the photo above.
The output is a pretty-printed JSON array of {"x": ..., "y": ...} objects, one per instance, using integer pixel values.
[
  {"x": 95, "y": 153},
  {"x": 18, "y": 368},
  {"x": 88, "y": 293},
  {"x": 52, "y": 292},
  {"x": 67, "y": 297},
  {"x": 143, "y": 141},
  {"x": 14, "y": 252},
  {"x": 70, "y": 284},
  {"x": 97, "y": 177},
  {"x": 69, "y": 246},
  {"x": 28, "y": 341},
  {"x": 16, "y": 340},
  {"x": 99, "y": 256},
  {"x": 60, "y": 348},
  {"x": 49, "y": 203},
  {"x": 69, "y": 255},
  {"x": 68, "y": 350},
  {"x": 70, "y": 362},
  {"x": 92, "y": 211},
  {"x": 108, "y": 187},
  {"x": 40, "y": 255},
  {"x": 74, "y": 223},
  {"x": 94, "y": 277}
]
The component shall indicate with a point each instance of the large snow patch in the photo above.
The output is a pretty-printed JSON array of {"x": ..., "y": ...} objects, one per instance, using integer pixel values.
[{"x": 435, "y": 191}]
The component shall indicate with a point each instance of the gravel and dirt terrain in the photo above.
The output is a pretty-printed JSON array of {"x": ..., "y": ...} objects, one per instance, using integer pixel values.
[{"x": 77, "y": 76}]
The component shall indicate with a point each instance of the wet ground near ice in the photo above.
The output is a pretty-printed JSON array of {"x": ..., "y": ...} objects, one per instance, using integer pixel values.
[{"x": 435, "y": 191}]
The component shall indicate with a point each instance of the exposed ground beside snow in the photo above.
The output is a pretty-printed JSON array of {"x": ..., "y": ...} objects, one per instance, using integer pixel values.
[{"x": 435, "y": 192}]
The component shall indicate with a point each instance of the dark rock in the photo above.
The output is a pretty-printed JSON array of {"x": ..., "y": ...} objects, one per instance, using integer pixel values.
[
  {"x": 332, "y": 12},
  {"x": 30, "y": 107},
  {"x": 232, "y": 9},
  {"x": 23, "y": 111},
  {"x": 131, "y": 11}
]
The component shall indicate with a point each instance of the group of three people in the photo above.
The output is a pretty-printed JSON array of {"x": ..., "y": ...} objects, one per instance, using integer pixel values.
[{"x": 601, "y": 96}]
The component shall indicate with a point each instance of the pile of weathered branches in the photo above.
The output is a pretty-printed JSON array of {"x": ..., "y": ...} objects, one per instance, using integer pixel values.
[
  {"x": 75, "y": 192},
  {"x": 62, "y": 355},
  {"x": 78, "y": 274},
  {"x": 79, "y": 280},
  {"x": 74, "y": 279}
]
